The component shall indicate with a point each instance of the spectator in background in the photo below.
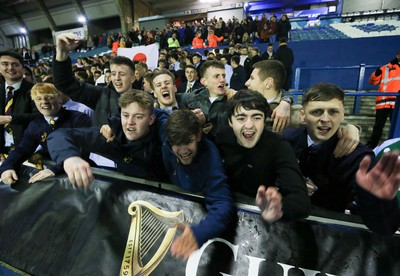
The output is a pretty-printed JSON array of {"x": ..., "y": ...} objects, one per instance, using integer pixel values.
[
  {"x": 388, "y": 78},
  {"x": 26, "y": 55},
  {"x": 274, "y": 27},
  {"x": 213, "y": 39},
  {"x": 188, "y": 34},
  {"x": 264, "y": 34},
  {"x": 147, "y": 79},
  {"x": 255, "y": 55},
  {"x": 192, "y": 83},
  {"x": 284, "y": 27},
  {"x": 162, "y": 64},
  {"x": 245, "y": 60},
  {"x": 269, "y": 53},
  {"x": 285, "y": 55},
  {"x": 198, "y": 42},
  {"x": 228, "y": 69},
  {"x": 28, "y": 75},
  {"x": 140, "y": 70},
  {"x": 174, "y": 64},
  {"x": 114, "y": 47},
  {"x": 238, "y": 78},
  {"x": 197, "y": 61},
  {"x": 173, "y": 42}
]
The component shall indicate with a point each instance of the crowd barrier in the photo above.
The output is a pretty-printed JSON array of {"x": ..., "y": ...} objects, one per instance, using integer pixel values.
[{"x": 50, "y": 228}]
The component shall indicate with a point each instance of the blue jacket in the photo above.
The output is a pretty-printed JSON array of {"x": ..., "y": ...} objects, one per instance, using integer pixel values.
[
  {"x": 204, "y": 175},
  {"x": 335, "y": 177},
  {"x": 37, "y": 133},
  {"x": 139, "y": 158}
]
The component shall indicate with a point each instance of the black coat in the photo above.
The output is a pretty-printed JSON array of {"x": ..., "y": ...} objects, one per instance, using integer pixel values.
[
  {"x": 103, "y": 100},
  {"x": 24, "y": 110}
]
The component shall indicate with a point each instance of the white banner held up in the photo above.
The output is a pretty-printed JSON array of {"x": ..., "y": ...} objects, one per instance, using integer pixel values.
[{"x": 148, "y": 54}]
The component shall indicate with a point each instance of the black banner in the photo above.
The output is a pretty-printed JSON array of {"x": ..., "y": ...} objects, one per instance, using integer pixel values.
[{"x": 50, "y": 228}]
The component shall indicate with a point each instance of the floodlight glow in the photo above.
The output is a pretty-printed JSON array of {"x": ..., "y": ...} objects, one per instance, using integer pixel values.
[
  {"x": 22, "y": 30},
  {"x": 81, "y": 19}
]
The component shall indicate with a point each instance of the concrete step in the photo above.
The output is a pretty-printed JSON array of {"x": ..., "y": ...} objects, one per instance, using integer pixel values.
[
  {"x": 365, "y": 118},
  {"x": 367, "y": 124}
]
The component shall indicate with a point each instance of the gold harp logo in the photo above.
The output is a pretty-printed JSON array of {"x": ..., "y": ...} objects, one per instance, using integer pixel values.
[{"x": 150, "y": 237}]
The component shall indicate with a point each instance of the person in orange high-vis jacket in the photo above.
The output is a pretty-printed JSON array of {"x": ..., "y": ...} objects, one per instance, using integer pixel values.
[
  {"x": 388, "y": 78},
  {"x": 198, "y": 42},
  {"x": 213, "y": 39},
  {"x": 114, "y": 49}
]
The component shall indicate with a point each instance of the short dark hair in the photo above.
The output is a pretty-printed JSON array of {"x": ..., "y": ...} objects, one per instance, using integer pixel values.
[
  {"x": 181, "y": 125},
  {"x": 12, "y": 54},
  {"x": 271, "y": 69},
  {"x": 249, "y": 100},
  {"x": 323, "y": 91},
  {"x": 210, "y": 63},
  {"x": 148, "y": 76},
  {"x": 191, "y": 66},
  {"x": 121, "y": 60},
  {"x": 236, "y": 59}
]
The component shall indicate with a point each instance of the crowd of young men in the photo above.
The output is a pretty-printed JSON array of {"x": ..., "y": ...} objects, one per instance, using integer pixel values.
[{"x": 209, "y": 140}]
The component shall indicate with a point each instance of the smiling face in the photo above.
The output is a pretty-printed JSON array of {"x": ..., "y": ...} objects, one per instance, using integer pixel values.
[
  {"x": 186, "y": 153},
  {"x": 47, "y": 104},
  {"x": 248, "y": 126},
  {"x": 214, "y": 81},
  {"x": 11, "y": 69},
  {"x": 122, "y": 77},
  {"x": 135, "y": 121},
  {"x": 323, "y": 118},
  {"x": 164, "y": 90}
]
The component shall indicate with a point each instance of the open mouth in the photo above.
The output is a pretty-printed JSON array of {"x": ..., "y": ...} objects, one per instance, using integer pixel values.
[
  {"x": 221, "y": 86},
  {"x": 166, "y": 95},
  {"x": 185, "y": 156},
  {"x": 248, "y": 135},
  {"x": 117, "y": 85},
  {"x": 131, "y": 129},
  {"x": 323, "y": 130},
  {"x": 46, "y": 107}
]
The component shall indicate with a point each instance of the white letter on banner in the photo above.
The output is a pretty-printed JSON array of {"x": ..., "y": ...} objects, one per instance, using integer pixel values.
[
  {"x": 286, "y": 268},
  {"x": 254, "y": 265},
  {"x": 194, "y": 259},
  {"x": 309, "y": 272}
]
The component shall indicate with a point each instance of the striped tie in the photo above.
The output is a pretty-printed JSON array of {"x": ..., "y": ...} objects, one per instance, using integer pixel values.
[
  {"x": 8, "y": 108},
  {"x": 189, "y": 90}
]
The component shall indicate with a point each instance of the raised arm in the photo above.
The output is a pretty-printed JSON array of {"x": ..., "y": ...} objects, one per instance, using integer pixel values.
[{"x": 376, "y": 193}]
